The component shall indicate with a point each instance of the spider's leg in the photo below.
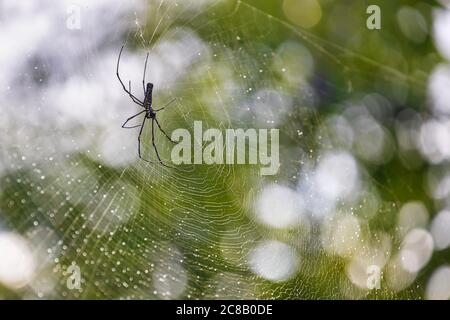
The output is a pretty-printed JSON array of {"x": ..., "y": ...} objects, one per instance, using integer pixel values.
[
  {"x": 139, "y": 141},
  {"x": 154, "y": 145},
  {"x": 167, "y": 104},
  {"x": 135, "y": 100},
  {"x": 132, "y": 117},
  {"x": 143, "y": 78},
  {"x": 138, "y": 102},
  {"x": 159, "y": 126}
]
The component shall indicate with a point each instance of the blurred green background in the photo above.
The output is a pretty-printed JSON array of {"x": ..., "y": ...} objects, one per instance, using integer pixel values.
[{"x": 361, "y": 196}]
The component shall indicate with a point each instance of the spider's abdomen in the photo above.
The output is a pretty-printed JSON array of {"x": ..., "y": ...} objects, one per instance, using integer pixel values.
[{"x": 148, "y": 94}]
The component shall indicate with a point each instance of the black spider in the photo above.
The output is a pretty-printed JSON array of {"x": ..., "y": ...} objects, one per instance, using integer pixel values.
[{"x": 150, "y": 113}]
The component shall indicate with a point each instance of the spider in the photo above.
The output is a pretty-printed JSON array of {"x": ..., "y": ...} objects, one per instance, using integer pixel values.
[{"x": 150, "y": 113}]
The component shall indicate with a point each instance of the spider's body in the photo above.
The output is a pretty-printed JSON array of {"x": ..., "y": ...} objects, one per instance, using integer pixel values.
[{"x": 150, "y": 113}]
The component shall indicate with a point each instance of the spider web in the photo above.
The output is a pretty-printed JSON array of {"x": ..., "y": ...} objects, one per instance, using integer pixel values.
[{"x": 73, "y": 187}]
